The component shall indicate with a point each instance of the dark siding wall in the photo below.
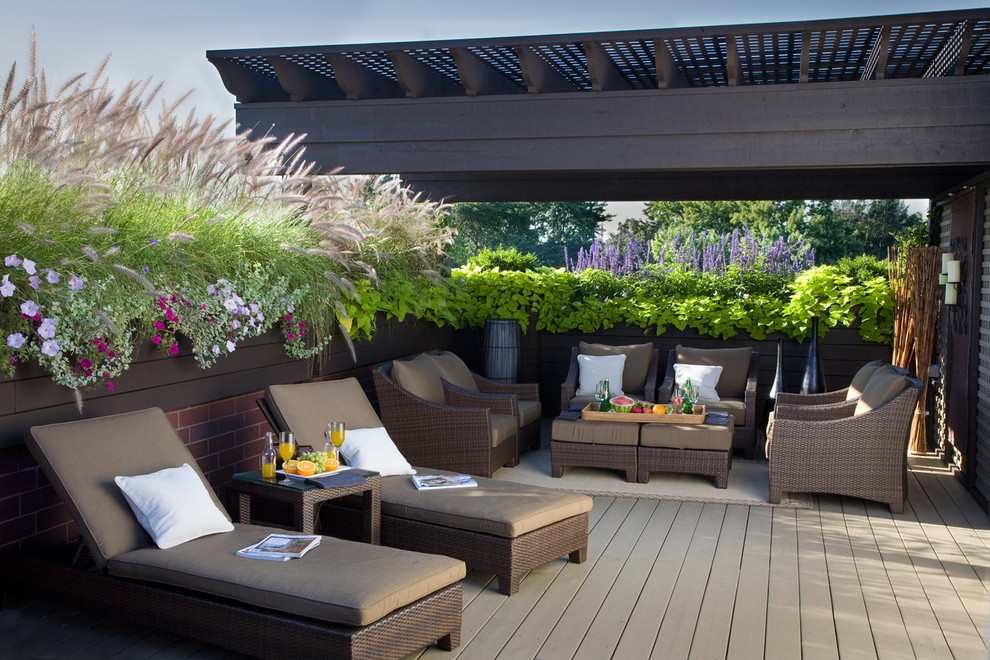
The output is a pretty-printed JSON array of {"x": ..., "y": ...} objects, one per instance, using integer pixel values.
[{"x": 213, "y": 411}]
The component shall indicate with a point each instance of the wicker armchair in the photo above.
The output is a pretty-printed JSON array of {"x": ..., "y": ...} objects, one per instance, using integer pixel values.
[
  {"x": 460, "y": 381},
  {"x": 829, "y": 448},
  {"x": 446, "y": 436},
  {"x": 568, "y": 389},
  {"x": 741, "y": 405},
  {"x": 853, "y": 391}
]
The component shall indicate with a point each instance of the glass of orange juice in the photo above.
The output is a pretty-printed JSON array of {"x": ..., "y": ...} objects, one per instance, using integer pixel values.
[
  {"x": 286, "y": 445},
  {"x": 335, "y": 434}
]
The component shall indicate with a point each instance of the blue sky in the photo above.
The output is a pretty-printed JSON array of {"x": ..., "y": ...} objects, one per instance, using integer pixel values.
[{"x": 167, "y": 41}]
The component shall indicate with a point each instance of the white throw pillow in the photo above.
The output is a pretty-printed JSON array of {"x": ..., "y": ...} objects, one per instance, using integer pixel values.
[
  {"x": 173, "y": 505},
  {"x": 703, "y": 377},
  {"x": 595, "y": 368},
  {"x": 373, "y": 449}
]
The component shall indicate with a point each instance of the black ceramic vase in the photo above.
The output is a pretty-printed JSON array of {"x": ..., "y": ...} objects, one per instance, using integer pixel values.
[
  {"x": 814, "y": 372},
  {"x": 778, "y": 378}
]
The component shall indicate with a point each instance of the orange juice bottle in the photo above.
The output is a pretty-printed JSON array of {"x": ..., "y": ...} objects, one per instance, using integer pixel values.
[{"x": 268, "y": 460}]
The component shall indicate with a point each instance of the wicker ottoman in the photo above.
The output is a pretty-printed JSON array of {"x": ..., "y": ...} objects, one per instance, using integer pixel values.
[
  {"x": 691, "y": 448},
  {"x": 585, "y": 443}
]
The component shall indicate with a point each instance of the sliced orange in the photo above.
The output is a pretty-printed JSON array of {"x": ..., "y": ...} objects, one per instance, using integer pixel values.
[
  {"x": 306, "y": 468},
  {"x": 331, "y": 464},
  {"x": 290, "y": 466}
]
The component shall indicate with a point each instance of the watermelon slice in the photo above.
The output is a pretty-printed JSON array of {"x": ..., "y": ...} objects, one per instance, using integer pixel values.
[{"x": 622, "y": 404}]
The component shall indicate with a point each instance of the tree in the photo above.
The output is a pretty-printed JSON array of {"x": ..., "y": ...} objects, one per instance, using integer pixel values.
[
  {"x": 832, "y": 235},
  {"x": 543, "y": 228},
  {"x": 698, "y": 216},
  {"x": 765, "y": 217},
  {"x": 849, "y": 228},
  {"x": 835, "y": 229},
  {"x": 636, "y": 229},
  {"x": 565, "y": 224}
]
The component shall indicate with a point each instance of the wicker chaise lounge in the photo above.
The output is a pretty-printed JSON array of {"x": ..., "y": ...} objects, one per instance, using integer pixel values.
[
  {"x": 498, "y": 527},
  {"x": 856, "y": 448},
  {"x": 342, "y": 600}
]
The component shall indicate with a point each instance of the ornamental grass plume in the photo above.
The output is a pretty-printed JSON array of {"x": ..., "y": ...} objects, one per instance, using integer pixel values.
[{"x": 123, "y": 211}]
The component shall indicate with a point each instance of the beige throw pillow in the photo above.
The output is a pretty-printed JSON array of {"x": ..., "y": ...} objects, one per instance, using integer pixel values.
[
  {"x": 638, "y": 358},
  {"x": 420, "y": 377},
  {"x": 734, "y": 363},
  {"x": 453, "y": 370},
  {"x": 861, "y": 378},
  {"x": 884, "y": 385}
]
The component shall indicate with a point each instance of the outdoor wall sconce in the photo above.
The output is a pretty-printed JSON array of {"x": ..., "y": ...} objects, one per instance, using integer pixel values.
[{"x": 950, "y": 277}]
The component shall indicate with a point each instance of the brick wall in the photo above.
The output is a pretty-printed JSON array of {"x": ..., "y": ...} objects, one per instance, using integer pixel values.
[{"x": 224, "y": 436}]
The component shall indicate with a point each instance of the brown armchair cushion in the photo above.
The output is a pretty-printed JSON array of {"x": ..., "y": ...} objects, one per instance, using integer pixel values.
[
  {"x": 884, "y": 385},
  {"x": 862, "y": 378},
  {"x": 637, "y": 362},
  {"x": 421, "y": 377},
  {"x": 734, "y": 362},
  {"x": 453, "y": 370}
]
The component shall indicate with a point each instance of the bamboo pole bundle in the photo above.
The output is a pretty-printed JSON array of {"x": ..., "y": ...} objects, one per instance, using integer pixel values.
[
  {"x": 900, "y": 289},
  {"x": 924, "y": 264}
]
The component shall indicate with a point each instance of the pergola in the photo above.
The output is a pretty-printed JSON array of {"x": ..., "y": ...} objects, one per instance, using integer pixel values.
[{"x": 891, "y": 106}]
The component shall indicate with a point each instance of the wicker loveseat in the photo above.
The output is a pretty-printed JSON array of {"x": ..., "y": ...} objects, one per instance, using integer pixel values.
[{"x": 856, "y": 447}]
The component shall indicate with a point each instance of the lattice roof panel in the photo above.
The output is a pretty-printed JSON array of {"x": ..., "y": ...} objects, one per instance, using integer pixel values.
[{"x": 853, "y": 49}]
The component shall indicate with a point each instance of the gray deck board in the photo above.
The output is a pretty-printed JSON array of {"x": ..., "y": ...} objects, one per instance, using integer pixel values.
[
  {"x": 846, "y": 579},
  {"x": 747, "y": 636}
]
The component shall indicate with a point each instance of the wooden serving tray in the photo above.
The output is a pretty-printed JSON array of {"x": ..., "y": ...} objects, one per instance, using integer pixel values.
[{"x": 589, "y": 413}]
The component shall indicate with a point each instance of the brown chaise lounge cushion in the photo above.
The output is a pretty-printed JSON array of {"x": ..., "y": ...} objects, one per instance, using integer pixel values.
[
  {"x": 339, "y": 581},
  {"x": 493, "y": 507}
]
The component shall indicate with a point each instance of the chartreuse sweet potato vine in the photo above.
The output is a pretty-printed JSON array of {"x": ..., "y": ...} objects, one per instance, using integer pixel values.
[{"x": 593, "y": 300}]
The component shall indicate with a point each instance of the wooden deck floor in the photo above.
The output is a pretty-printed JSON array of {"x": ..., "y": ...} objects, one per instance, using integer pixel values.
[{"x": 846, "y": 579}]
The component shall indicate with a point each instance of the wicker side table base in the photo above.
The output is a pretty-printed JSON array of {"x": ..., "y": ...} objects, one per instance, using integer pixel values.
[
  {"x": 576, "y": 454},
  {"x": 710, "y": 463}
]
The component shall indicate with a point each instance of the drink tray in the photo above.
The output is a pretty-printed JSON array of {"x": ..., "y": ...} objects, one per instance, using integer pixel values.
[{"x": 589, "y": 413}]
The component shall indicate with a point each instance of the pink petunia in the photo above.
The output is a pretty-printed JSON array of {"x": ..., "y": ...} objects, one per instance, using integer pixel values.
[
  {"x": 173, "y": 349},
  {"x": 156, "y": 340},
  {"x": 110, "y": 385},
  {"x": 291, "y": 336}
]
